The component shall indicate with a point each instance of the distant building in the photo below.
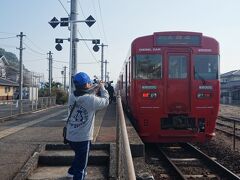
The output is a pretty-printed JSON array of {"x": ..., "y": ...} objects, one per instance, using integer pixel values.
[
  {"x": 9, "y": 82},
  {"x": 7, "y": 89},
  {"x": 230, "y": 87}
]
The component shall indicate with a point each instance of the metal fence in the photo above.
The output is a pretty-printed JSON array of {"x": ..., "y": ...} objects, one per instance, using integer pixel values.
[
  {"x": 125, "y": 168},
  {"x": 10, "y": 108},
  {"x": 235, "y": 124},
  {"x": 229, "y": 100}
]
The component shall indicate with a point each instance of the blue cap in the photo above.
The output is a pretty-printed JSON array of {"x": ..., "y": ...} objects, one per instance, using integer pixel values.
[{"x": 80, "y": 79}]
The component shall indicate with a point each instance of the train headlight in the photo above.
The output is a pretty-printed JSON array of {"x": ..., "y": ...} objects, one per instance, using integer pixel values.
[
  {"x": 151, "y": 95},
  {"x": 204, "y": 95}
]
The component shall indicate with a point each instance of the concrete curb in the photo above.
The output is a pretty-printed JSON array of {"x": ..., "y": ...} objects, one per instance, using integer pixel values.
[
  {"x": 30, "y": 165},
  {"x": 94, "y": 146},
  {"x": 112, "y": 175}
]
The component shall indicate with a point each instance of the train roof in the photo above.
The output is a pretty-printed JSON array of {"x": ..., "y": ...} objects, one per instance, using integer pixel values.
[
  {"x": 170, "y": 38},
  {"x": 175, "y": 33}
]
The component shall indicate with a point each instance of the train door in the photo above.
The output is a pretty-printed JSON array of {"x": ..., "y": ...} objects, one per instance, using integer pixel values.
[{"x": 178, "y": 83}]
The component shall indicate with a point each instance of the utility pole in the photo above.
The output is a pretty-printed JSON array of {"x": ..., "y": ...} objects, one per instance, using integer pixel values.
[
  {"x": 72, "y": 22},
  {"x": 50, "y": 72},
  {"x": 32, "y": 83},
  {"x": 73, "y": 44},
  {"x": 107, "y": 76},
  {"x": 21, "y": 35},
  {"x": 102, "y": 55},
  {"x": 64, "y": 80},
  {"x": 105, "y": 62}
]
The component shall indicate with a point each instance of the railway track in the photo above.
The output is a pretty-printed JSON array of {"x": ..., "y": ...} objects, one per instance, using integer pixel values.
[
  {"x": 184, "y": 161},
  {"x": 226, "y": 126}
]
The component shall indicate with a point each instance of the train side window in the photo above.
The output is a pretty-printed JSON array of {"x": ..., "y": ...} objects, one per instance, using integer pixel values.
[
  {"x": 177, "y": 67},
  {"x": 148, "y": 66},
  {"x": 206, "y": 67}
]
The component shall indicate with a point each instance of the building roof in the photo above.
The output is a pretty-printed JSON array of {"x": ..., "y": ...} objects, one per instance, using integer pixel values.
[
  {"x": 231, "y": 73},
  {"x": 6, "y": 82},
  {"x": 2, "y": 57}
]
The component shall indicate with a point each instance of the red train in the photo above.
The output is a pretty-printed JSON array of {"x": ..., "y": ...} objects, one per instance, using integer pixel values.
[{"x": 169, "y": 84}]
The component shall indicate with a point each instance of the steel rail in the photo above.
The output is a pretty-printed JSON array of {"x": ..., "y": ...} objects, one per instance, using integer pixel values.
[
  {"x": 217, "y": 166},
  {"x": 178, "y": 172},
  {"x": 221, "y": 123},
  {"x": 122, "y": 133},
  {"x": 230, "y": 118},
  {"x": 226, "y": 132},
  {"x": 234, "y": 120},
  {"x": 214, "y": 166}
]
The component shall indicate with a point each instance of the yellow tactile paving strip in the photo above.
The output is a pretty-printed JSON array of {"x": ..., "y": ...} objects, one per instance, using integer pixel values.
[{"x": 15, "y": 129}]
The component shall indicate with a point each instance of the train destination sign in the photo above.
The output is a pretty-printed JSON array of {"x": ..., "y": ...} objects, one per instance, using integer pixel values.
[{"x": 193, "y": 40}]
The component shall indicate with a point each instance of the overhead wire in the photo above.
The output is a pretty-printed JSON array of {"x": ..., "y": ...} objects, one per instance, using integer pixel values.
[
  {"x": 10, "y": 37},
  {"x": 60, "y": 61},
  {"x": 34, "y": 44},
  {"x": 77, "y": 63},
  {"x": 100, "y": 10},
  {"x": 7, "y": 33},
  {"x": 7, "y": 45},
  {"x": 88, "y": 48},
  {"x": 95, "y": 12},
  {"x": 83, "y": 38},
  {"x": 64, "y": 7},
  {"x": 79, "y": 31},
  {"x": 34, "y": 60},
  {"x": 84, "y": 17},
  {"x": 34, "y": 51},
  {"x": 11, "y": 46},
  {"x": 56, "y": 67}
]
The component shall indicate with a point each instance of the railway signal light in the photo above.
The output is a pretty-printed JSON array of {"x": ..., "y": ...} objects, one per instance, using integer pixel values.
[
  {"x": 96, "y": 41},
  {"x": 57, "y": 40},
  {"x": 96, "y": 48},
  {"x": 58, "y": 47}
]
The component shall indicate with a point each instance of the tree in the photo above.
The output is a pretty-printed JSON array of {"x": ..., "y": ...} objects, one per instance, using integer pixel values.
[
  {"x": 61, "y": 95},
  {"x": 12, "y": 58}
]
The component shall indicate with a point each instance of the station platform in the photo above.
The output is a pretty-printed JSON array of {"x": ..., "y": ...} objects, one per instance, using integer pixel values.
[{"x": 49, "y": 158}]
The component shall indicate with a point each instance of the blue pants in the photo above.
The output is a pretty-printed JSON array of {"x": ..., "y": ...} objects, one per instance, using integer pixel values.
[{"x": 80, "y": 160}]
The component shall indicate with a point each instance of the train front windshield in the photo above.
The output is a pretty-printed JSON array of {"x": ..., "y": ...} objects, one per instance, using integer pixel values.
[
  {"x": 206, "y": 67},
  {"x": 148, "y": 66}
]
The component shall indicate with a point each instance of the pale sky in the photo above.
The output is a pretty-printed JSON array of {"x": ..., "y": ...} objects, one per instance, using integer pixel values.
[{"x": 118, "y": 24}]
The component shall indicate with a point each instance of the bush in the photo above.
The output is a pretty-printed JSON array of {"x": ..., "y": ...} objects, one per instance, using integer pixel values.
[{"x": 61, "y": 96}]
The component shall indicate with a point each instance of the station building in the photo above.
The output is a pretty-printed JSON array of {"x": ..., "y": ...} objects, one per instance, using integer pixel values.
[{"x": 230, "y": 87}]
